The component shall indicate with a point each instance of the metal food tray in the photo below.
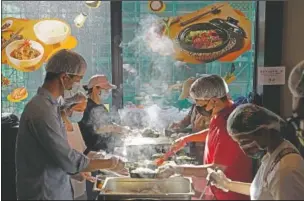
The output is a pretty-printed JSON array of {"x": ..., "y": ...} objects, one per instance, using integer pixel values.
[{"x": 177, "y": 188}]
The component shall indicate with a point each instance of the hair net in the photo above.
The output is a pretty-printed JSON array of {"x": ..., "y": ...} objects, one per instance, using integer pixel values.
[
  {"x": 209, "y": 86},
  {"x": 66, "y": 61},
  {"x": 79, "y": 97},
  {"x": 296, "y": 80},
  {"x": 248, "y": 118}
]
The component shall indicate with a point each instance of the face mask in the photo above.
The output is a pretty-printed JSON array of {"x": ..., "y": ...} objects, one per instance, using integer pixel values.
[
  {"x": 76, "y": 116},
  {"x": 190, "y": 100},
  {"x": 60, "y": 100},
  {"x": 202, "y": 110},
  {"x": 104, "y": 94},
  {"x": 248, "y": 149},
  {"x": 76, "y": 86}
]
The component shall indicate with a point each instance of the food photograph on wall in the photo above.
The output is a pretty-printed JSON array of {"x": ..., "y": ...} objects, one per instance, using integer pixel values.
[{"x": 129, "y": 100}]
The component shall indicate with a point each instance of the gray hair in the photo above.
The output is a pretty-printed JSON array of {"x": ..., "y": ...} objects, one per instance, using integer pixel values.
[{"x": 66, "y": 61}]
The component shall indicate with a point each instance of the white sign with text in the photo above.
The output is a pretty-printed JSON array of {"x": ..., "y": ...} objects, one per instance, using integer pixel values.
[{"x": 271, "y": 75}]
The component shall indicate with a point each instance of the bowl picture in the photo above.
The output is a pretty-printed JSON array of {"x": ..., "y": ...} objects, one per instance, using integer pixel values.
[
  {"x": 203, "y": 38},
  {"x": 24, "y": 53},
  {"x": 51, "y": 31}
]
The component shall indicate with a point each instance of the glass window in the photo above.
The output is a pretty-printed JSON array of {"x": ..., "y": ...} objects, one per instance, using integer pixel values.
[
  {"x": 156, "y": 73},
  {"x": 94, "y": 42}
]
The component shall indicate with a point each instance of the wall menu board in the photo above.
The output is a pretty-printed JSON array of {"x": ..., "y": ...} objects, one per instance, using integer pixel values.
[{"x": 28, "y": 43}]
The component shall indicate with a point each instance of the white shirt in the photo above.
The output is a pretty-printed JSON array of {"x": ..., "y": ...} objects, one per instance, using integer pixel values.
[
  {"x": 76, "y": 142},
  {"x": 284, "y": 182}
]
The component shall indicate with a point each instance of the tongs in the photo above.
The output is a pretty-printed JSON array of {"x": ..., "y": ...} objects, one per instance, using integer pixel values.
[{"x": 167, "y": 155}]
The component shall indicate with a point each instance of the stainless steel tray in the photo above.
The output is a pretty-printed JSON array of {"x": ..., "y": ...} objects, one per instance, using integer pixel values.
[{"x": 179, "y": 188}]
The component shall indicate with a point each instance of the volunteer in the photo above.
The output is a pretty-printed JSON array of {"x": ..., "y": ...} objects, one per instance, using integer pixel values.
[
  {"x": 281, "y": 174},
  {"x": 72, "y": 112},
  {"x": 221, "y": 151},
  {"x": 197, "y": 117},
  {"x": 44, "y": 159},
  {"x": 96, "y": 124},
  {"x": 296, "y": 87},
  {"x": 194, "y": 118}
]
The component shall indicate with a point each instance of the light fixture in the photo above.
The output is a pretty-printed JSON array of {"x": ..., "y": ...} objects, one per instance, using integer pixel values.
[{"x": 93, "y": 4}]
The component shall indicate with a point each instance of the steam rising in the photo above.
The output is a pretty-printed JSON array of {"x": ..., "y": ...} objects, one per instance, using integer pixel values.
[
  {"x": 151, "y": 83},
  {"x": 149, "y": 38}
]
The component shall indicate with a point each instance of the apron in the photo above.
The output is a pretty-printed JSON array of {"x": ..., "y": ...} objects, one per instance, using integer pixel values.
[
  {"x": 259, "y": 189},
  {"x": 76, "y": 142}
]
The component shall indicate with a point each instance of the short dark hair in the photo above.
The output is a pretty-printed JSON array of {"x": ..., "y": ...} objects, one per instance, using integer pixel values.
[{"x": 51, "y": 76}]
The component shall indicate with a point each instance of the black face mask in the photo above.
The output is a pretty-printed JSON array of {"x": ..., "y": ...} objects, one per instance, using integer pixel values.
[{"x": 203, "y": 111}]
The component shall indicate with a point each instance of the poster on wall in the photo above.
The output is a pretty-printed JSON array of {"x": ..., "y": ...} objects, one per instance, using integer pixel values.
[
  {"x": 215, "y": 32},
  {"x": 27, "y": 43}
]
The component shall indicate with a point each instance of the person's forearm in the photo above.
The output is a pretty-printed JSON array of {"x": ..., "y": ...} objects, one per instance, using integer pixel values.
[
  {"x": 197, "y": 137},
  {"x": 107, "y": 129},
  {"x": 197, "y": 171},
  {"x": 94, "y": 154},
  {"x": 185, "y": 122},
  {"x": 239, "y": 187},
  {"x": 97, "y": 164}
]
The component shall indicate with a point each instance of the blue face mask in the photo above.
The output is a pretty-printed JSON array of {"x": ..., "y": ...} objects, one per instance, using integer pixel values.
[
  {"x": 76, "y": 116},
  {"x": 104, "y": 94}
]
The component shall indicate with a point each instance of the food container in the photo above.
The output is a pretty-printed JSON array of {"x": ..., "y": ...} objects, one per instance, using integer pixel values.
[
  {"x": 175, "y": 188},
  {"x": 51, "y": 31},
  {"x": 98, "y": 185},
  {"x": 24, "y": 63}
]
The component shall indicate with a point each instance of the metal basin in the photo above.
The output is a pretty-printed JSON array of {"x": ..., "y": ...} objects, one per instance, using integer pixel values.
[{"x": 176, "y": 188}]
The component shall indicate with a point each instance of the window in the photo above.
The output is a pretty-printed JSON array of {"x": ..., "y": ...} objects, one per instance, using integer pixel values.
[
  {"x": 168, "y": 73},
  {"x": 94, "y": 42}
]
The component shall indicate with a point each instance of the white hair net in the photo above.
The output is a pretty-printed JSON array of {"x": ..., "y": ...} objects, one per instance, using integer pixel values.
[
  {"x": 66, "y": 61},
  {"x": 209, "y": 86},
  {"x": 79, "y": 97},
  {"x": 296, "y": 80},
  {"x": 248, "y": 118}
]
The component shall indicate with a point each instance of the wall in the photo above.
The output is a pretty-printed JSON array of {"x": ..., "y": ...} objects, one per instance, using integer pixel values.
[{"x": 293, "y": 46}]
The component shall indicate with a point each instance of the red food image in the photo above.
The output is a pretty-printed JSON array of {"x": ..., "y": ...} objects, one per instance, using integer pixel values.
[{"x": 204, "y": 39}]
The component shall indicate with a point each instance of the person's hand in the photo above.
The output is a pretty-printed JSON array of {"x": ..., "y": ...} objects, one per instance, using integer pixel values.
[
  {"x": 115, "y": 129},
  {"x": 179, "y": 143},
  {"x": 218, "y": 179},
  {"x": 175, "y": 126},
  {"x": 168, "y": 170},
  {"x": 117, "y": 164},
  {"x": 88, "y": 176}
]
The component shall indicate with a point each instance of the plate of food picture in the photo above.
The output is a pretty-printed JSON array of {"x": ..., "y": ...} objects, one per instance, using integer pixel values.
[
  {"x": 17, "y": 95},
  {"x": 203, "y": 38},
  {"x": 24, "y": 53}
]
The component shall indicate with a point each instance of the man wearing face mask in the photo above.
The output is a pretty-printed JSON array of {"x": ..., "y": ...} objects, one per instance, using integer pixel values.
[
  {"x": 194, "y": 118},
  {"x": 296, "y": 122},
  {"x": 281, "y": 174},
  {"x": 210, "y": 91},
  {"x": 198, "y": 118},
  {"x": 44, "y": 159}
]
